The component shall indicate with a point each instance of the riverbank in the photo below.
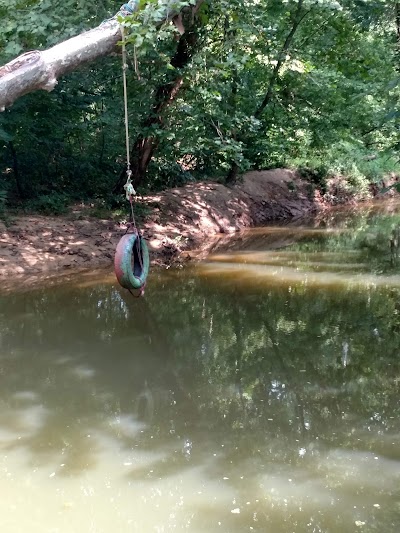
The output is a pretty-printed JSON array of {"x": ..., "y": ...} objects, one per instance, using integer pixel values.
[{"x": 183, "y": 219}]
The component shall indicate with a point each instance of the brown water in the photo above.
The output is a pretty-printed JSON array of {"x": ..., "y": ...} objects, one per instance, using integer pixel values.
[{"x": 258, "y": 391}]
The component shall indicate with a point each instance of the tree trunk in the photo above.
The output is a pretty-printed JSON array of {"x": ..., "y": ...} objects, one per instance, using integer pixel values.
[
  {"x": 397, "y": 16},
  {"x": 41, "y": 69},
  {"x": 233, "y": 174},
  {"x": 17, "y": 176},
  {"x": 145, "y": 146},
  {"x": 234, "y": 170}
]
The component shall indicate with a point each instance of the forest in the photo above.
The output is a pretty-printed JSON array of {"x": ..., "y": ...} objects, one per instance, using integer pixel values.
[
  {"x": 255, "y": 386},
  {"x": 234, "y": 86}
]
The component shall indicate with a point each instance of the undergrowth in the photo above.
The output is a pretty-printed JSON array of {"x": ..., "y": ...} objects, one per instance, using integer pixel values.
[
  {"x": 360, "y": 167},
  {"x": 49, "y": 204}
]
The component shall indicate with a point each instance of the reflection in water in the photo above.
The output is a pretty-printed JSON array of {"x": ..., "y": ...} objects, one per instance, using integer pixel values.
[
  {"x": 221, "y": 402},
  {"x": 251, "y": 274}
]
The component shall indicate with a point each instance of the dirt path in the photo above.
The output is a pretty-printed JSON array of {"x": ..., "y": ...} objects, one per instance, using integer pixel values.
[{"x": 182, "y": 219}]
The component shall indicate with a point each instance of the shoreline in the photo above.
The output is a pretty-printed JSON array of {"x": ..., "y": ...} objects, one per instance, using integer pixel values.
[{"x": 183, "y": 223}]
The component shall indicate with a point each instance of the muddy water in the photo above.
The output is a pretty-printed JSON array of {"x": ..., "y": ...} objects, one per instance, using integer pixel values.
[{"x": 258, "y": 391}]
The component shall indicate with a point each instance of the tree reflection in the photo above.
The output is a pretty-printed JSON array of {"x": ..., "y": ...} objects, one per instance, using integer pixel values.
[{"x": 239, "y": 380}]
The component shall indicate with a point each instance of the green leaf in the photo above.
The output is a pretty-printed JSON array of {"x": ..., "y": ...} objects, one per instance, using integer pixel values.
[{"x": 394, "y": 83}]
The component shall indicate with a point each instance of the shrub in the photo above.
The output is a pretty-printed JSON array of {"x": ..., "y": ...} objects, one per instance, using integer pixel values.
[{"x": 50, "y": 204}]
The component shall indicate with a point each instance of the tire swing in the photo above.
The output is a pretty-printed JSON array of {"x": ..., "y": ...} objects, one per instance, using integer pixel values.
[
  {"x": 131, "y": 263},
  {"x": 131, "y": 260}
]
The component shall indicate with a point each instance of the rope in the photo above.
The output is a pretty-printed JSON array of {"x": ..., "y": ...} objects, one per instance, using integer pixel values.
[
  {"x": 128, "y": 161},
  {"x": 129, "y": 190},
  {"x": 128, "y": 9}
]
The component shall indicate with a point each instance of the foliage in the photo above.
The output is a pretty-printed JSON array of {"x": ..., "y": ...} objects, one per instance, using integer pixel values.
[
  {"x": 352, "y": 161},
  {"x": 296, "y": 83},
  {"x": 114, "y": 206},
  {"x": 50, "y": 204}
]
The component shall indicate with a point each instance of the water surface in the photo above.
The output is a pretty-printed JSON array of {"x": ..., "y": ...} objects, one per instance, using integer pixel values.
[{"x": 258, "y": 391}]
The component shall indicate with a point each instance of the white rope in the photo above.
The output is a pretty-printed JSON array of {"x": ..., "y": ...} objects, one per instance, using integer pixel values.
[{"x": 130, "y": 191}]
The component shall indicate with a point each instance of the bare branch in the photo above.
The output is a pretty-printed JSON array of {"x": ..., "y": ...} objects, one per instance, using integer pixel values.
[
  {"x": 298, "y": 18},
  {"x": 41, "y": 69}
]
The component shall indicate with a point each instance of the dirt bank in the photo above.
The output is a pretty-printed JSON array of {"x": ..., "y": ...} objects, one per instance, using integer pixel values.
[{"x": 181, "y": 219}]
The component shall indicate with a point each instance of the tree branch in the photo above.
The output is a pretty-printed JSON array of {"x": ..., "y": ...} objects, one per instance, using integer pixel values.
[
  {"x": 298, "y": 19},
  {"x": 145, "y": 145},
  {"x": 40, "y": 69}
]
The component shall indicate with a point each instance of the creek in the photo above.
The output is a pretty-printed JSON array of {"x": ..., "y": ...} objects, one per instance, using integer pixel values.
[{"x": 255, "y": 391}]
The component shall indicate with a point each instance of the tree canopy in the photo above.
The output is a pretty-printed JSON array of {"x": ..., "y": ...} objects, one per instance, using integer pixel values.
[{"x": 244, "y": 85}]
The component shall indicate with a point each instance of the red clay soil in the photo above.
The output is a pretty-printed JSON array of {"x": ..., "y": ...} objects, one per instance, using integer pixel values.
[{"x": 182, "y": 219}]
